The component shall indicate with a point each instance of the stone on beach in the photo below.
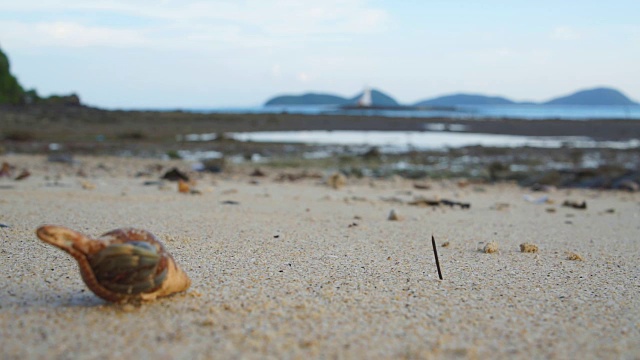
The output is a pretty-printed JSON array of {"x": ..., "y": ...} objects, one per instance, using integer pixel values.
[
  {"x": 490, "y": 247},
  {"x": 337, "y": 181},
  {"x": 528, "y": 248},
  {"x": 394, "y": 215}
]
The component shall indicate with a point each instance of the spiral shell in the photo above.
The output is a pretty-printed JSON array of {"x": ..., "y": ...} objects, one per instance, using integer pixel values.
[{"x": 123, "y": 265}]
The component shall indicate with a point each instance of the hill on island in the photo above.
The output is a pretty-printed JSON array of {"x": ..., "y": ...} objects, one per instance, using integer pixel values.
[
  {"x": 597, "y": 96},
  {"x": 465, "y": 99},
  {"x": 308, "y": 99},
  {"x": 378, "y": 98}
]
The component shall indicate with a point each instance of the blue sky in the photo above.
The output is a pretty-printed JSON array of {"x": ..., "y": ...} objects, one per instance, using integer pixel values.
[{"x": 147, "y": 53}]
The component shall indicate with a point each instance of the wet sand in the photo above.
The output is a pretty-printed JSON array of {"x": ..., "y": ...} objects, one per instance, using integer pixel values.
[{"x": 299, "y": 269}]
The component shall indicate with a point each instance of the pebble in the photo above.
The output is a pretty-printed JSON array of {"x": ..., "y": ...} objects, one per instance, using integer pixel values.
[
  {"x": 491, "y": 247},
  {"x": 574, "y": 256},
  {"x": 528, "y": 248},
  {"x": 337, "y": 181},
  {"x": 394, "y": 216}
]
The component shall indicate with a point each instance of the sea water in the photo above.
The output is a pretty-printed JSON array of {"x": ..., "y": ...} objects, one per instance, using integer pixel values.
[
  {"x": 527, "y": 112},
  {"x": 435, "y": 136},
  {"x": 401, "y": 141}
]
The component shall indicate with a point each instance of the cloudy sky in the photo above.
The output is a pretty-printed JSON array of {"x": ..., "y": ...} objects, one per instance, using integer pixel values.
[{"x": 227, "y": 53}]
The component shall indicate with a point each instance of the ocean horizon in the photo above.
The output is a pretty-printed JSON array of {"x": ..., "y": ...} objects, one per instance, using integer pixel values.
[{"x": 518, "y": 111}]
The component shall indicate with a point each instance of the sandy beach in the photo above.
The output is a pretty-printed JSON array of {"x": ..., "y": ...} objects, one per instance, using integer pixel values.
[{"x": 298, "y": 269}]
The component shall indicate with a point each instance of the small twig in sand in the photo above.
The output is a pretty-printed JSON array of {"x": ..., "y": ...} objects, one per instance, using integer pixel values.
[{"x": 435, "y": 253}]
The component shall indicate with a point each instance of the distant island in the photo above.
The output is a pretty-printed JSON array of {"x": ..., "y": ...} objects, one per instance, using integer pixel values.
[
  {"x": 378, "y": 98},
  {"x": 464, "y": 99},
  {"x": 596, "y": 96}
]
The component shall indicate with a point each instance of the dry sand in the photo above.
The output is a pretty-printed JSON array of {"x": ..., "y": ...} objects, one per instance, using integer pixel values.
[{"x": 286, "y": 273}]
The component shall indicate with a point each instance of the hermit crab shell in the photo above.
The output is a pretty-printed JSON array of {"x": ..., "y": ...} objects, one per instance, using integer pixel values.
[{"x": 123, "y": 265}]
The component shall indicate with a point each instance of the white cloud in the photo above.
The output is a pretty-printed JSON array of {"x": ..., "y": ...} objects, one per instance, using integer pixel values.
[
  {"x": 67, "y": 34},
  {"x": 541, "y": 56},
  {"x": 303, "y": 77},
  {"x": 248, "y": 23},
  {"x": 565, "y": 33},
  {"x": 493, "y": 55},
  {"x": 276, "y": 70}
]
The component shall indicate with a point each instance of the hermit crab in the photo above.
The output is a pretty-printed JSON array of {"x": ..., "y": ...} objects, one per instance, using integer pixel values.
[{"x": 121, "y": 266}]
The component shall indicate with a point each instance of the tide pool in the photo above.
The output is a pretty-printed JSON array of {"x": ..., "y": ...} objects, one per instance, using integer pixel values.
[{"x": 400, "y": 141}]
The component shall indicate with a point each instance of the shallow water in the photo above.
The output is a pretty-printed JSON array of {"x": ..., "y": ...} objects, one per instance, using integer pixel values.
[
  {"x": 400, "y": 141},
  {"x": 529, "y": 112}
]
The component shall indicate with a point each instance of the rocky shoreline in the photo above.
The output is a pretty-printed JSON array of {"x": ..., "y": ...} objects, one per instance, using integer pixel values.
[{"x": 83, "y": 130}]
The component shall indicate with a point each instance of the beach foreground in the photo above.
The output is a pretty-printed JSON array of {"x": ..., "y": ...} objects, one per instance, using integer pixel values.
[{"x": 284, "y": 266}]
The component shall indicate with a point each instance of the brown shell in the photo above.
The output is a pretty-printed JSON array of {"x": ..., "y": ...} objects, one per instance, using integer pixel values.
[{"x": 122, "y": 265}]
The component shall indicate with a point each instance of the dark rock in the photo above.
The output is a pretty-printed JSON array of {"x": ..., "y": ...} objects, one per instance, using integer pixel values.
[
  {"x": 422, "y": 202},
  {"x": 214, "y": 165},
  {"x": 62, "y": 100},
  {"x": 258, "y": 173},
  {"x": 498, "y": 171},
  {"x": 627, "y": 185},
  {"x": 61, "y": 158},
  {"x": 175, "y": 175},
  {"x": 372, "y": 154},
  {"x": 151, "y": 183},
  {"x": 451, "y": 203},
  {"x": 421, "y": 186},
  {"x": 23, "y": 175},
  {"x": 542, "y": 188},
  {"x": 575, "y": 204}
]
